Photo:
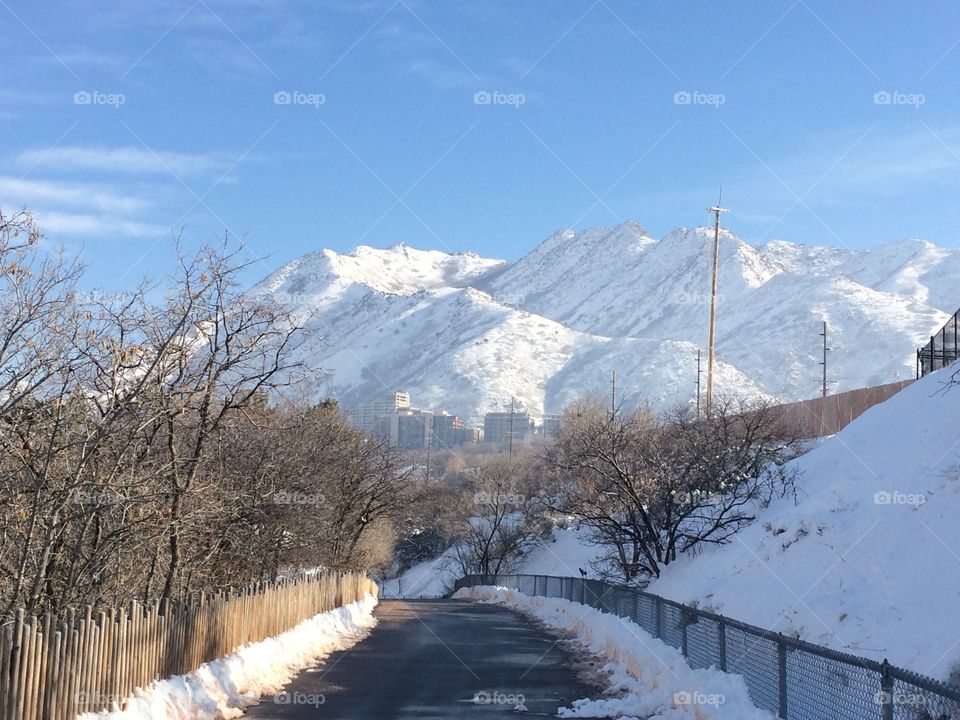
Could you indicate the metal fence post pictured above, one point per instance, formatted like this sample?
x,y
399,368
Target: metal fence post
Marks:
x,y
722,640
886,691
782,667
684,622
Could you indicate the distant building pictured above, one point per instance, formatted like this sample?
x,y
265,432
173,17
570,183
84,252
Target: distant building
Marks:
x,y
550,426
498,427
414,429
409,428
450,431
368,414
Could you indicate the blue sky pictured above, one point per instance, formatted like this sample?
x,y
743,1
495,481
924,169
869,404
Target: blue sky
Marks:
x,y
124,123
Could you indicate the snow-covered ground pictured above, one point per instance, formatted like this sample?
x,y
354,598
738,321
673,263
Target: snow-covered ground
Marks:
x,y
224,687
429,579
868,559
646,678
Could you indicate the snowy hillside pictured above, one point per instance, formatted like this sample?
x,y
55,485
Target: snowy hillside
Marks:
x,y
867,561
466,333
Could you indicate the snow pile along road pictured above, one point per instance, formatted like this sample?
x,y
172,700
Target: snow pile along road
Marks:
x,y
223,687
647,678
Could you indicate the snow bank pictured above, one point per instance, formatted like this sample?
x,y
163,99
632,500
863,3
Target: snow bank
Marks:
x,y
867,560
647,678
223,687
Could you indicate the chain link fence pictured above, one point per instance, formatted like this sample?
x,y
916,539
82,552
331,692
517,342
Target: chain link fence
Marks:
x,y
793,679
943,348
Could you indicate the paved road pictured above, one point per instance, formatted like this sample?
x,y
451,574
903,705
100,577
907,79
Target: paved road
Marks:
x,y
428,659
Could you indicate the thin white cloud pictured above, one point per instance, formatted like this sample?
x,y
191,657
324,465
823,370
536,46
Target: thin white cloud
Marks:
x,y
18,191
128,160
102,225
446,75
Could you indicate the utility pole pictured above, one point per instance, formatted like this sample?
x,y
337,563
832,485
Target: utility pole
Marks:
x,y
823,334
429,445
716,210
699,372
511,427
613,393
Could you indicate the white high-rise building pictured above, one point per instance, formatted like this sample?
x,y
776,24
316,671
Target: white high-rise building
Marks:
x,y
368,413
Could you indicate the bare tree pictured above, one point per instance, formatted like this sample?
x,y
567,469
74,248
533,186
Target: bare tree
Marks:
x,y
651,487
144,445
503,520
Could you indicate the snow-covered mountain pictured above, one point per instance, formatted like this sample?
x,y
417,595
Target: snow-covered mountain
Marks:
x,y
467,333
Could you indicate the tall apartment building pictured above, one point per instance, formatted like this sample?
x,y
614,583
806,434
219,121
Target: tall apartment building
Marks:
x,y
409,428
550,426
499,426
414,429
450,431
367,414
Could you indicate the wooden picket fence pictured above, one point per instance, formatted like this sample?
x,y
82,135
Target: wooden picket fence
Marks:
x,y
54,668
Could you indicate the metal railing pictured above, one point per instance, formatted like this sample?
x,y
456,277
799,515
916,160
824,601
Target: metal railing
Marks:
x,y
793,679
943,348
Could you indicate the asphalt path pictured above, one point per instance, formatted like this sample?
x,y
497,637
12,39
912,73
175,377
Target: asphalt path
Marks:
x,y
437,659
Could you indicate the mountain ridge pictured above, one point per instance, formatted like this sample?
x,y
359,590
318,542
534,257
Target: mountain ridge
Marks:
x,y
466,333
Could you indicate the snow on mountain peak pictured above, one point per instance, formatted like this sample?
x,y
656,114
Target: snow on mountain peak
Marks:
x,y
465,332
